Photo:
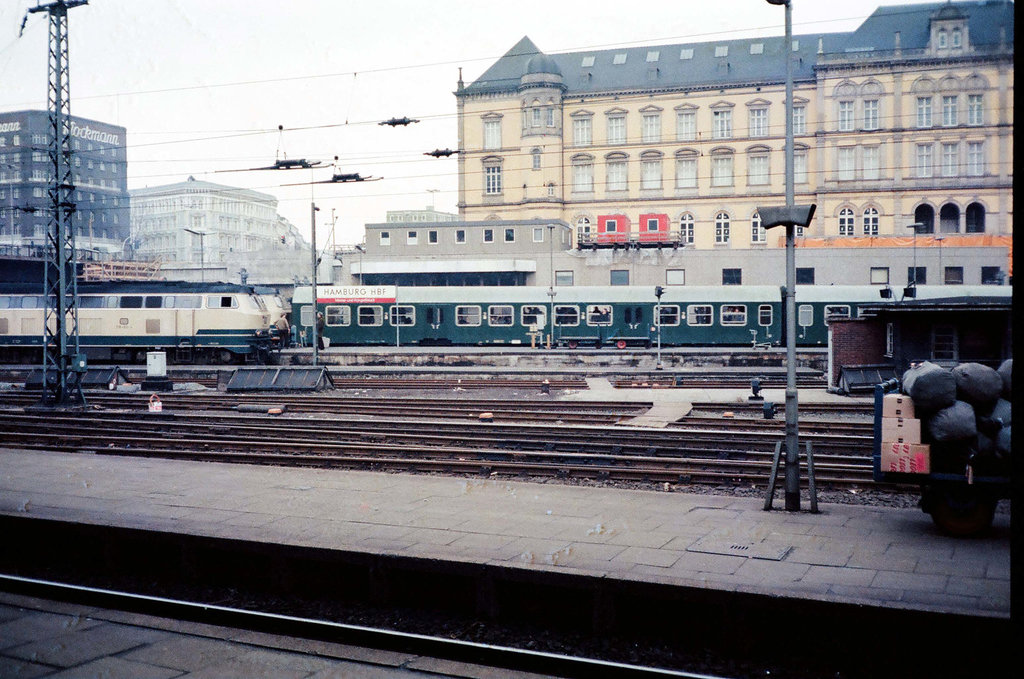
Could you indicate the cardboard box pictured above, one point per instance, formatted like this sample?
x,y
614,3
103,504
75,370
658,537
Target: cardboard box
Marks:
x,y
897,405
901,430
909,458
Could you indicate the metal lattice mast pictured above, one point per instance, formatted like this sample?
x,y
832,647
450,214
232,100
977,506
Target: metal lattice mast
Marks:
x,y
61,385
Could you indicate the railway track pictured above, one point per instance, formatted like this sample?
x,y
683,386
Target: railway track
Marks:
x,y
556,450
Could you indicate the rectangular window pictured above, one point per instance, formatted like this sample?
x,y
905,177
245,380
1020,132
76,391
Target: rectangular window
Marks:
x,y
805,275
617,175
721,124
550,117
533,316
975,114
564,278
510,235
567,315
721,171
975,158
582,132
492,134
924,160
950,159
879,275
618,277
949,110
732,276
668,314
944,343
583,177
758,122
460,236
805,315
871,156
917,275
616,129
599,314
733,314
686,173
651,128
765,315
757,171
492,180
370,316
500,315
870,114
847,162
467,315
924,111
338,315
488,235
846,116
650,174
412,238
890,339
686,125
837,310
953,275
538,234
699,314
216,302
991,275
675,277
799,120
800,167
402,315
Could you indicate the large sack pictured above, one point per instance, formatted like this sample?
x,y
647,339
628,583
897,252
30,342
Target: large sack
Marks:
x,y
1006,372
931,387
1003,443
977,384
953,423
1003,410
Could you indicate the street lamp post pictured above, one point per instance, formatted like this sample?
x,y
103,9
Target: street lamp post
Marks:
x,y
312,233
910,290
202,265
942,274
361,250
551,283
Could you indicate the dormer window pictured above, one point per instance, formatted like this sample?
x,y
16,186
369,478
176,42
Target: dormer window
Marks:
x,y
619,58
940,40
956,39
722,51
653,55
757,48
686,53
587,62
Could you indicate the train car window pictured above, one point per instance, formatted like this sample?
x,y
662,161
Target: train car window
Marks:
x,y
5,302
90,302
221,302
402,314
435,315
28,302
154,301
306,315
668,314
733,314
467,315
187,302
638,314
131,302
500,315
567,315
805,315
599,314
338,315
372,316
699,314
628,314
533,316
110,302
765,314
841,310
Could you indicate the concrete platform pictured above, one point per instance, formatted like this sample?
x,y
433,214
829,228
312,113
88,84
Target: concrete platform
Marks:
x,y
873,556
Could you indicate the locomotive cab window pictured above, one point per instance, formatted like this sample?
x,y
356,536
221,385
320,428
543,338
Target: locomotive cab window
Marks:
x,y
402,314
500,315
131,301
338,315
805,315
533,316
371,316
599,314
765,315
567,315
221,302
467,315
699,314
733,314
668,314
840,310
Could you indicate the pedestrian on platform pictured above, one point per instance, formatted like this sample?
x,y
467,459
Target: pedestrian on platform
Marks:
x,y
320,330
283,332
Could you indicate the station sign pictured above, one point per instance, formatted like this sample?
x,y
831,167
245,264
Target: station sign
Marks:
x,y
355,294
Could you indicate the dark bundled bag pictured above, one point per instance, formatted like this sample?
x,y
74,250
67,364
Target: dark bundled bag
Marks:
x,y
1006,373
930,386
954,423
1003,442
977,384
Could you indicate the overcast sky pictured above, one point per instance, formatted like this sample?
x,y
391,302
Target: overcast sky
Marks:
x,y
202,85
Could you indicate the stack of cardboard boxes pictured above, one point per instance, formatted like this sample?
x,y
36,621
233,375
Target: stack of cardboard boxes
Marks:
x,y
902,450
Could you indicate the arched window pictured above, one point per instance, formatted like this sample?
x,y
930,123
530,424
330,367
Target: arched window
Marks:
x,y
686,228
758,234
846,222
949,218
925,216
535,154
870,222
975,218
583,225
722,227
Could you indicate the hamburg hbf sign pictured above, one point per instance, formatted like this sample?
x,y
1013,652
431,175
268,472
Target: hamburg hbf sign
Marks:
x,y
355,294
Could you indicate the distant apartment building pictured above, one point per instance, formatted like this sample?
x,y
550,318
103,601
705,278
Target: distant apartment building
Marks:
x,y
427,214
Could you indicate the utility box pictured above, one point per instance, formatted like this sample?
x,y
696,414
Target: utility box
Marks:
x,y
156,364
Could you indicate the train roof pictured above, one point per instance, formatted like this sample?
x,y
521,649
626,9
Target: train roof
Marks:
x,y
131,288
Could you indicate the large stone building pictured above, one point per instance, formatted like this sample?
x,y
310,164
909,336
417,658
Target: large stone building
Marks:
x,y
193,227
99,173
908,119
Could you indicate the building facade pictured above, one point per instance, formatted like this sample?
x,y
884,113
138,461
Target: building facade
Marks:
x,y
99,173
906,120
194,225
427,214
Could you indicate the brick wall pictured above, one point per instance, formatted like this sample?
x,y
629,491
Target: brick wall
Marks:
x,y
855,341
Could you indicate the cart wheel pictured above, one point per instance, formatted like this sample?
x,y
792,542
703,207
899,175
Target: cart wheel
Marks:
x,y
962,512
572,344
620,344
